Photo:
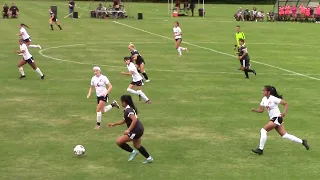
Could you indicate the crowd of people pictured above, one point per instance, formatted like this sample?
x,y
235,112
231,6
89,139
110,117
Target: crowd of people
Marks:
x,y
10,12
284,13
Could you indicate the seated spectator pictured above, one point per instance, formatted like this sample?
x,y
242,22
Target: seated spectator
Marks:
x,y
14,11
260,15
239,15
254,14
281,13
246,15
5,12
270,16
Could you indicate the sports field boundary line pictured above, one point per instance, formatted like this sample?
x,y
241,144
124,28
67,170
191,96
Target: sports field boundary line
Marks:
x,y
218,52
158,70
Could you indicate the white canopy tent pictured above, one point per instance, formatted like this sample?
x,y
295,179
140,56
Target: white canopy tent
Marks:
x,y
171,6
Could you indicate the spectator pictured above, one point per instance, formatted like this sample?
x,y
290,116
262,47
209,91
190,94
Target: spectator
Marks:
x,y
281,13
177,6
302,10
72,4
294,12
254,14
239,15
14,11
193,6
246,15
261,15
287,12
307,14
5,12
270,16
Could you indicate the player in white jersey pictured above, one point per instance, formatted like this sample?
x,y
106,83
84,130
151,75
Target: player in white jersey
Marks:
x,y
26,58
100,83
177,35
136,80
270,101
26,37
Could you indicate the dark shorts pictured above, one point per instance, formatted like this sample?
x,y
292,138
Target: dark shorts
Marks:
x,y
102,98
135,135
245,63
138,83
139,62
30,60
54,20
5,15
179,39
27,40
277,120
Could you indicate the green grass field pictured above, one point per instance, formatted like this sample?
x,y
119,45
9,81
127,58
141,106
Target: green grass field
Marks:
x,y
199,125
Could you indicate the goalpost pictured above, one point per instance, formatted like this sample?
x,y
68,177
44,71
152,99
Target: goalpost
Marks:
x,y
171,5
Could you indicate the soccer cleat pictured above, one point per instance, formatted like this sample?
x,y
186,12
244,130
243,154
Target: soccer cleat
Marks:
x,y
149,160
42,77
22,76
39,46
97,127
254,72
139,97
148,102
305,144
148,80
115,104
133,155
257,151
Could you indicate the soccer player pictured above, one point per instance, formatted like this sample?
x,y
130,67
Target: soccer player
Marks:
x,y
54,19
177,35
270,101
99,82
134,132
239,35
136,80
245,59
26,37
71,5
27,58
138,59
5,11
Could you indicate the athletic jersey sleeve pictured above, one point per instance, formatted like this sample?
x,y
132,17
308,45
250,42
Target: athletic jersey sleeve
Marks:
x,y
276,100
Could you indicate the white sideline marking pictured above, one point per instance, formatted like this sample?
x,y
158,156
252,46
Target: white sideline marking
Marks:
x,y
219,52
123,67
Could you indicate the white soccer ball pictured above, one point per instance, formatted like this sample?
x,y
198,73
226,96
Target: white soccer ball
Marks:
x,y
79,150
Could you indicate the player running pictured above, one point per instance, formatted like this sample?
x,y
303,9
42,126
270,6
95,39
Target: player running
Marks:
x,y
26,37
271,100
136,80
177,35
138,59
99,82
134,132
53,18
27,58
244,58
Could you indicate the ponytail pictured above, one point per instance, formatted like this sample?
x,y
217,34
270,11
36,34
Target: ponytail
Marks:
x,y
24,25
131,45
128,100
273,91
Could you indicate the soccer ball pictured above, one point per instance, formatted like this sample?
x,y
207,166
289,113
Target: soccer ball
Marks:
x,y
79,150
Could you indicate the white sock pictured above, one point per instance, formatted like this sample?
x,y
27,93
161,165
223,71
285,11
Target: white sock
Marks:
x,y
39,72
263,138
107,108
142,95
132,91
292,138
182,48
179,50
99,117
21,71
33,46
